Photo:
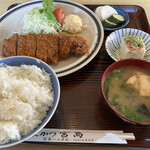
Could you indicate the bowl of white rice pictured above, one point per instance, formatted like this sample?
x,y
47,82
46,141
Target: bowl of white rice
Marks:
x,y
29,96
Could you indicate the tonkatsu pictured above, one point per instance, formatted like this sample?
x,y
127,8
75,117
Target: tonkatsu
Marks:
x,y
48,47
10,46
21,45
65,43
31,45
41,52
79,45
52,48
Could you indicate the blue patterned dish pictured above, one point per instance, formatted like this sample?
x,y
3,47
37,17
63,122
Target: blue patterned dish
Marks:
x,y
113,41
123,13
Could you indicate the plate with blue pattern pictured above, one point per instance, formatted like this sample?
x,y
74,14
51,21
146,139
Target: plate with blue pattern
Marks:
x,y
113,41
120,12
123,13
11,22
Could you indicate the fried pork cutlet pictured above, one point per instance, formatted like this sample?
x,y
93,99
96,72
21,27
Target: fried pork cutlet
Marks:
x,y
10,46
79,45
48,47
65,42
31,45
41,52
52,48
22,41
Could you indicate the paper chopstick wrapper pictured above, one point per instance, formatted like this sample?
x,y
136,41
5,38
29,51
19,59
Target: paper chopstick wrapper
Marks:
x,y
81,136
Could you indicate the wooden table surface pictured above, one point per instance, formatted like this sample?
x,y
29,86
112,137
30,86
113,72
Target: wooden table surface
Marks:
x,y
81,103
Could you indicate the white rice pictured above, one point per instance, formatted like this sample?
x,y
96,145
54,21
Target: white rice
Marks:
x,y
26,95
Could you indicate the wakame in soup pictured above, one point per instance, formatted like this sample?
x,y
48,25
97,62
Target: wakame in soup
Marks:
x,y
127,90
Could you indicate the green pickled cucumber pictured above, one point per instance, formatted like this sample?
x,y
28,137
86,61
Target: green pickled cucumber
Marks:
x,y
116,18
107,24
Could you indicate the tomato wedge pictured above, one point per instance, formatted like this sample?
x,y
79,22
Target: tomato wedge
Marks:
x,y
59,14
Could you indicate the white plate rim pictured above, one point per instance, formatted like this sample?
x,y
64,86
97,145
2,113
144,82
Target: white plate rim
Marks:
x,y
98,24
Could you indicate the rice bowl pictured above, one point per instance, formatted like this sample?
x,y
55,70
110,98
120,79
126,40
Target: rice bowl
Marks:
x,y
22,99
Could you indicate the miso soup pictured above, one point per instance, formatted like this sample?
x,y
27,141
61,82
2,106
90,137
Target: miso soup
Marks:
x,y
128,92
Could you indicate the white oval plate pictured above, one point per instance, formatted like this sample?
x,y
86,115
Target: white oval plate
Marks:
x,y
11,22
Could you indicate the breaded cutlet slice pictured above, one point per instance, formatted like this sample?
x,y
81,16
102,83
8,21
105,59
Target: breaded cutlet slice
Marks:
x,y
31,45
22,41
79,45
65,42
41,52
10,46
52,48
6,48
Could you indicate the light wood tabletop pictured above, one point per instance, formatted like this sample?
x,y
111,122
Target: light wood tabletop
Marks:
x,y
145,4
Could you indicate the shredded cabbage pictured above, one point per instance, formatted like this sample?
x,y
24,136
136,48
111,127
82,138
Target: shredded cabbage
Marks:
x,y
36,22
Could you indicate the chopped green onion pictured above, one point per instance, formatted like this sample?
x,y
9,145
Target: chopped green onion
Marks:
x,y
134,40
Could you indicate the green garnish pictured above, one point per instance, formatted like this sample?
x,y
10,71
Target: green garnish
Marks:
x,y
136,41
41,20
115,100
48,8
123,108
131,114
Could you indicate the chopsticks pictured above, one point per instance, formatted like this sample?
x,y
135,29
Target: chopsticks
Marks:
x,y
125,136
81,136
